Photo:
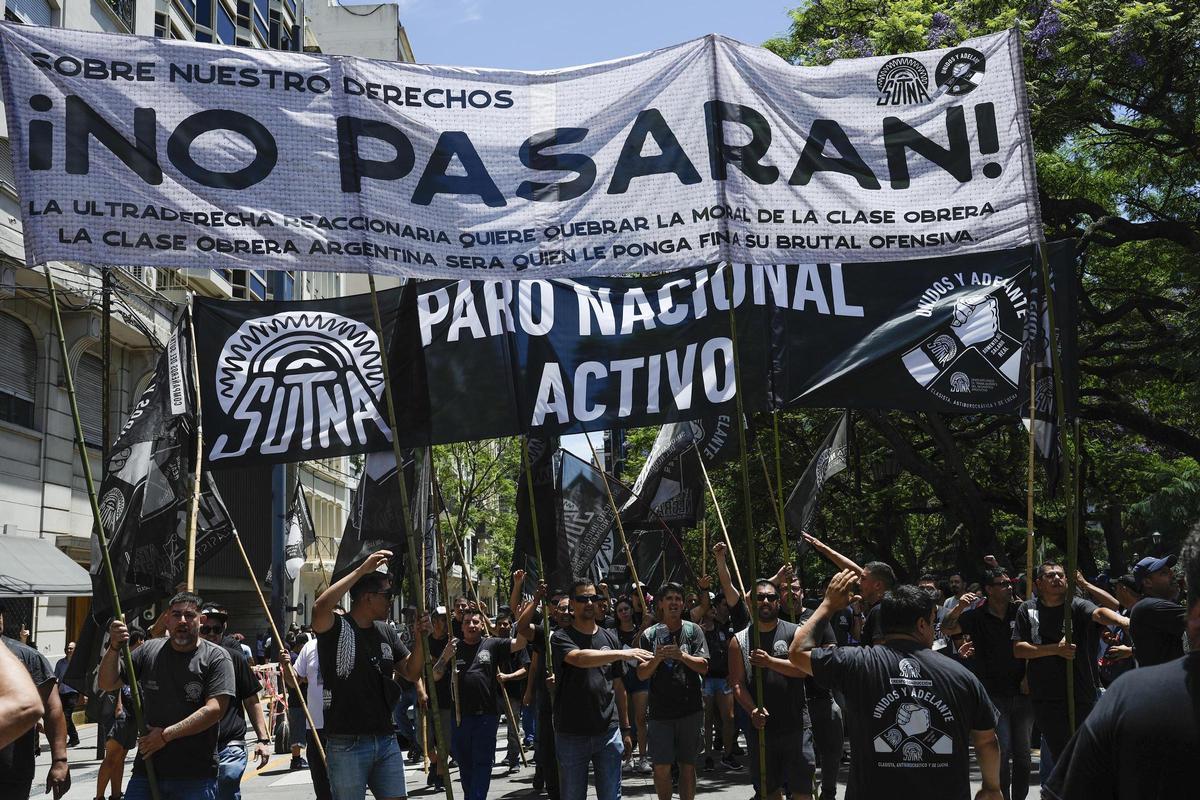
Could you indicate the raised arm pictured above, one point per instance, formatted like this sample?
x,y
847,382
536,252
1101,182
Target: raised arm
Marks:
x,y
322,610
829,554
1098,595
837,597
518,581
732,595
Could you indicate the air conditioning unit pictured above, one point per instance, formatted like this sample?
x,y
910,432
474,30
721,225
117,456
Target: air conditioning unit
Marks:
x,y
143,275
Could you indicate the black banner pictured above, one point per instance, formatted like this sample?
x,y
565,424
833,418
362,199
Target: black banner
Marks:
x,y
670,488
829,460
147,490
376,521
585,516
485,359
543,466
659,558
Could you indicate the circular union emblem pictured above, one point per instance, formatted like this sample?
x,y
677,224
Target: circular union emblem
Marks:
x,y
960,70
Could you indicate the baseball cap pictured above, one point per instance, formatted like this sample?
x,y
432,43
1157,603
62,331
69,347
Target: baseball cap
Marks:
x,y
1150,564
215,610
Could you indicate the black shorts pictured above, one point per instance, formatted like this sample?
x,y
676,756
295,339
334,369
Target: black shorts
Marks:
x,y
123,732
789,760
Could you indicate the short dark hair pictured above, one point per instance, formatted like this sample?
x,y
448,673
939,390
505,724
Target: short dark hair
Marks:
x,y
903,607
928,578
1129,582
766,582
136,635
504,612
1041,570
881,572
471,611
186,597
993,573
577,582
670,586
371,582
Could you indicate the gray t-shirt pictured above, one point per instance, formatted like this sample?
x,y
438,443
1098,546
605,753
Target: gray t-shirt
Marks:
x,y
173,686
675,689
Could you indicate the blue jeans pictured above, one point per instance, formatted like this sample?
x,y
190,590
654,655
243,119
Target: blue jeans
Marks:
x,y
138,788
356,762
603,752
1014,730
529,723
231,763
404,725
473,745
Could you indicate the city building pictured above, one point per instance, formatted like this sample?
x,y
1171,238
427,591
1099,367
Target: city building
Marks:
x,y
44,509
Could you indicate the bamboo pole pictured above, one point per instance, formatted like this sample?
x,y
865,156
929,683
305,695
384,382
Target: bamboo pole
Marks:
x,y
779,504
537,549
1072,565
275,632
637,583
424,556
749,514
737,572
777,507
98,523
443,747
1029,485
703,545
194,506
444,572
474,592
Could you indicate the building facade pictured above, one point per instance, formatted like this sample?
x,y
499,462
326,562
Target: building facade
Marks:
x,y
42,490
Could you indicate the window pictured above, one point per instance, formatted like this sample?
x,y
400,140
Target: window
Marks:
x,y
226,30
89,394
33,12
18,372
204,15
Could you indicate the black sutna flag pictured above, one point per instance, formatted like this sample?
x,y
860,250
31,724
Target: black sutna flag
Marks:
x,y
375,521
543,465
829,460
585,516
147,489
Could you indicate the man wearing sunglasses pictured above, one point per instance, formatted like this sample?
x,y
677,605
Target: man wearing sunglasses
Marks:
x,y
359,656
789,744
675,717
990,625
589,698
231,730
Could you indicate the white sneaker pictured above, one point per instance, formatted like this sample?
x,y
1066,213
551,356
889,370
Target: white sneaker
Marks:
x,y
644,766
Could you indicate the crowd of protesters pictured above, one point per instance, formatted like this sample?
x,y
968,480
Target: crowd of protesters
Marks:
x,y
770,682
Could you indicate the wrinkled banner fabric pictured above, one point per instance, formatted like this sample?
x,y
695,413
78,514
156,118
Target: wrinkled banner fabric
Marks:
x,y
481,360
142,151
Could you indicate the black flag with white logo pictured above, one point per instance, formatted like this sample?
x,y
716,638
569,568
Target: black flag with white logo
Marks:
x,y
543,465
830,459
376,520
670,488
301,534
585,516
147,490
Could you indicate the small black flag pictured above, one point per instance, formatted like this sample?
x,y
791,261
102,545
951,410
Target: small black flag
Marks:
x,y
828,461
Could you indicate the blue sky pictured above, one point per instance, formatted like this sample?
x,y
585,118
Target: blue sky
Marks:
x,y
533,34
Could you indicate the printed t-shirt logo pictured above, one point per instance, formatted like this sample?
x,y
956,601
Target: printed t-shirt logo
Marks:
x,y
974,361
192,691
485,657
902,81
907,721
780,649
297,381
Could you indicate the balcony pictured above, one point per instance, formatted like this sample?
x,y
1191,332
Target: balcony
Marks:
x,y
124,11
175,283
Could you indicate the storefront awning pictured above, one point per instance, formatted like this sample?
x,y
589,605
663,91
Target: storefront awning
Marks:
x,y
31,566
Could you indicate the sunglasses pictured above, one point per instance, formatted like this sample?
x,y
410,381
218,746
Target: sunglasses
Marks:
x,y
587,598
211,628
764,597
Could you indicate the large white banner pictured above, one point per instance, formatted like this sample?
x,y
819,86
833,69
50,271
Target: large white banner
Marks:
x,y
134,150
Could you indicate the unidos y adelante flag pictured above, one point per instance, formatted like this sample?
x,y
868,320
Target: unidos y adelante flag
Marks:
x,y
586,520
475,360
146,151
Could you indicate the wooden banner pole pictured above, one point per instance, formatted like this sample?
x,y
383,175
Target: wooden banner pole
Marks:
x,y
194,507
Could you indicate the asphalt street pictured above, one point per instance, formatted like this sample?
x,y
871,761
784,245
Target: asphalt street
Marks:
x,y
276,780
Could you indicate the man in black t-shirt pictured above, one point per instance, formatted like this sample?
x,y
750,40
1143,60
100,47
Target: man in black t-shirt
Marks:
x,y
186,685
1157,621
359,656
990,625
477,660
789,747
589,699
1141,741
824,713
1038,637
877,578
439,638
675,716
231,730
539,688
17,758
511,672
913,713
